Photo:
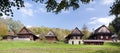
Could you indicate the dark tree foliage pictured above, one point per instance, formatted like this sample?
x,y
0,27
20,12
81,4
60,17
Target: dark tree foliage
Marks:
x,y
6,6
116,25
115,8
51,5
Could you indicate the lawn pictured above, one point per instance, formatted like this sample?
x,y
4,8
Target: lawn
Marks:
x,y
59,47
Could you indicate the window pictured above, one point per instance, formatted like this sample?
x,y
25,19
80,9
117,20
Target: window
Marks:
x,y
101,37
78,37
74,37
106,37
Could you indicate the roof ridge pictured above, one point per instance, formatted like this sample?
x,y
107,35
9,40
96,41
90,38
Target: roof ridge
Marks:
x,y
100,28
27,30
77,31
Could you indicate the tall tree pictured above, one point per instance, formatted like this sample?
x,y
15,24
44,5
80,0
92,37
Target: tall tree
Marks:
x,y
4,29
42,31
112,29
85,32
51,5
12,24
116,26
115,8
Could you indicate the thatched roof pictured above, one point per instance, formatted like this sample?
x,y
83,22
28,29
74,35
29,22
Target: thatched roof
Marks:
x,y
102,29
24,30
50,33
75,32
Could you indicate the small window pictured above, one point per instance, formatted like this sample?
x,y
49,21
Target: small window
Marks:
x,y
106,37
101,37
78,37
74,37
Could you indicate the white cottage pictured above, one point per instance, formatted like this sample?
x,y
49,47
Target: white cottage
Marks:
x,y
75,37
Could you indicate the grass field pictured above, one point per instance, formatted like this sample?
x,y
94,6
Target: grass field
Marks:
x,y
43,47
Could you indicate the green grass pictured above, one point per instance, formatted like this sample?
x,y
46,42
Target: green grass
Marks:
x,y
59,47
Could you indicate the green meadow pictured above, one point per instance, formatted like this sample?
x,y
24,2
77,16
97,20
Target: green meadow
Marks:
x,y
59,47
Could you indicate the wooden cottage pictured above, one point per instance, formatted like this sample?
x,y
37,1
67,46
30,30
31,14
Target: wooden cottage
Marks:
x,y
26,34
51,36
75,37
9,36
101,33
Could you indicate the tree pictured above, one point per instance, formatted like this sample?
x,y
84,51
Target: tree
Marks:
x,y
12,24
116,26
51,5
85,32
111,28
42,31
115,8
4,29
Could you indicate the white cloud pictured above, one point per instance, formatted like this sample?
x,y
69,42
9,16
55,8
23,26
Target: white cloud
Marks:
x,y
107,2
27,11
101,20
28,5
28,26
90,9
43,10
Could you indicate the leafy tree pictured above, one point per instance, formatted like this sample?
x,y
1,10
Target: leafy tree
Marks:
x,y
85,32
42,31
12,24
111,27
4,29
116,26
51,5
115,8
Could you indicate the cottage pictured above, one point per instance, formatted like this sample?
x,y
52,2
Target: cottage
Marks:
x,y
51,36
26,34
102,33
9,36
75,37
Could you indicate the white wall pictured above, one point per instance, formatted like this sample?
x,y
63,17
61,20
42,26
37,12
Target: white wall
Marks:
x,y
27,39
75,41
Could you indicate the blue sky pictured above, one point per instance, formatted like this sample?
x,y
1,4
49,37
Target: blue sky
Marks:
x,y
92,15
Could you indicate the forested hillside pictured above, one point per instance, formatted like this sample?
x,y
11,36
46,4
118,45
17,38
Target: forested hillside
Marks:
x,y
42,31
7,24
16,26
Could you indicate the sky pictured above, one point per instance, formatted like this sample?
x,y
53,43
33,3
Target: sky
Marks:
x,y
93,15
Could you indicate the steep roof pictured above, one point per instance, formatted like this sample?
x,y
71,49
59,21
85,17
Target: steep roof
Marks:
x,y
102,29
50,33
10,32
24,30
76,31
